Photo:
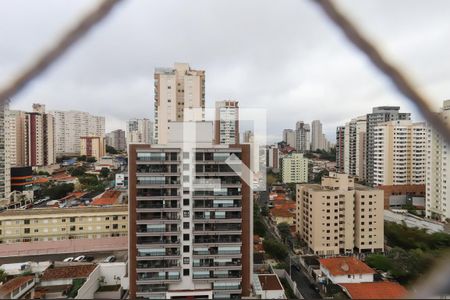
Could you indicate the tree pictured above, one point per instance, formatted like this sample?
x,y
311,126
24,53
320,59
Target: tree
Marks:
x,y
111,150
318,176
91,159
3,276
81,158
275,249
58,191
104,172
285,230
78,171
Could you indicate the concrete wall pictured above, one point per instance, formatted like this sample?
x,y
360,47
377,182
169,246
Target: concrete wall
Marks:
x,y
91,285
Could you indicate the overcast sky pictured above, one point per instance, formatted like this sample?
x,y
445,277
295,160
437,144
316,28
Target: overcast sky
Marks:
x,y
284,56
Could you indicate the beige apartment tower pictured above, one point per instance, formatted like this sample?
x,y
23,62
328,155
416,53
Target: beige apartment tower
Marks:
x,y
93,146
339,216
179,96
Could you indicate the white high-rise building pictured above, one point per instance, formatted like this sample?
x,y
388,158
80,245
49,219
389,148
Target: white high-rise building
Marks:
x,y
176,90
226,123
399,153
303,137
294,168
69,126
139,131
15,129
289,137
355,147
438,171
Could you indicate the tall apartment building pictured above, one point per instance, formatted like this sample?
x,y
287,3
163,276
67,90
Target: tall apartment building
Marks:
x,y
190,222
273,157
379,115
355,147
15,129
176,90
318,140
116,139
226,122
294,168
247,136
69,126
93,146
5,173
438,171
339,216
53,224
399,159
340,149
289,137
140,131
39,137
302,137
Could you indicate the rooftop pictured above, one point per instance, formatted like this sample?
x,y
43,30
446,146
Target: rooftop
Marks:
x,y
14,283
68,272
375,290
345,266
270,282
49,211
107,198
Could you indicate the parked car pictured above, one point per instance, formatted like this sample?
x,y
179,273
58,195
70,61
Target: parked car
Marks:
x,y
89,258
68,259
110,259
80,258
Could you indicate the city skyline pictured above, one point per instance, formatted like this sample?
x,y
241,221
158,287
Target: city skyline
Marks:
x,y
233,71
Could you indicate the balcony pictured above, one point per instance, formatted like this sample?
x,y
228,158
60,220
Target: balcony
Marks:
x,y
146,254
145,242
234,228
157,206
157,230
158,193
157,217
151,265
217,240
217,251
216,275
149,277
169,170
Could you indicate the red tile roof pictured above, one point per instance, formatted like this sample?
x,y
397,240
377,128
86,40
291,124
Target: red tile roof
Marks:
x,y
67,272
375,290
108,198
258,248
14,283
270,282
345,266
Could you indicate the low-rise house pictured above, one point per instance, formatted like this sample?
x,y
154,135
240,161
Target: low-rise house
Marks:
x,y
374,290
17,287
111,197
345,270
284,213
268,286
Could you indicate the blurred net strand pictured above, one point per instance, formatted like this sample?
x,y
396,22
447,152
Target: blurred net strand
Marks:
x,y
438,282
46,59
401,82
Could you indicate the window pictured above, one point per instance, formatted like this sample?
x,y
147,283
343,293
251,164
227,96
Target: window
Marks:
x,y
186,202
36,230
185,214
26,221
72,228
115,226
72,219
185,260
26,230
185,237
185,225
185,249
185,272
63,220
115,218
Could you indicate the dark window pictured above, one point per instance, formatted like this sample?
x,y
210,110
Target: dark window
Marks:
x,y
185,272
72,219
186,201
115,218
185,249
185,260
115,226
185,213
72,228
185,225
185,237
26,230
26,221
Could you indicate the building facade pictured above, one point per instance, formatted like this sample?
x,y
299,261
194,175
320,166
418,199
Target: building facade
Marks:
x,y
53,224
399,153
340,149
247,136
302,137
339,216
355,147
438,171
226,122
69,126
140,131
92,146
179,96
318,140
15,129
294,168
117,140
289,137
379,115
190,222
5,173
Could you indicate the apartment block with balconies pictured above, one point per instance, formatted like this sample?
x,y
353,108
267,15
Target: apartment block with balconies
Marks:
x,y
189,222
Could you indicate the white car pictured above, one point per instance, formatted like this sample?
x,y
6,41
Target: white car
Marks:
x,y
110,259
80,258
68,259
